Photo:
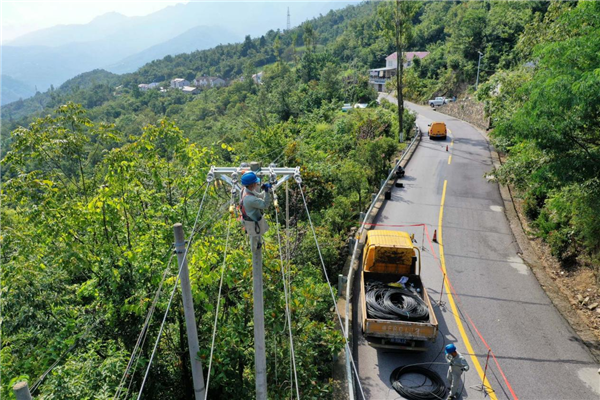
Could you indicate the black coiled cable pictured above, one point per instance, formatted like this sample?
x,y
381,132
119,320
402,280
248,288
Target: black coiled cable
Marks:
x,y
384,302
435,391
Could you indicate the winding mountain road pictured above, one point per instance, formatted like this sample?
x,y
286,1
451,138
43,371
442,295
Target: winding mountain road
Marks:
x,y
495,299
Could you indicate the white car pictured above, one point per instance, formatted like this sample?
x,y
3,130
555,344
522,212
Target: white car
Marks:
x,y
438,101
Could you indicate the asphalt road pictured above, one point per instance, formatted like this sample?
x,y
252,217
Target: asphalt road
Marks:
x,y
497,299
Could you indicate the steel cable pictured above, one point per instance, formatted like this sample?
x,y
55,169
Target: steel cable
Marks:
x,y
212,345
347,345
390,303
435,391
287,306
133,360
162,325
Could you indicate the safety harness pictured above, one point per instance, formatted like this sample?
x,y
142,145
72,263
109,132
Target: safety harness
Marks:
x,y
245,216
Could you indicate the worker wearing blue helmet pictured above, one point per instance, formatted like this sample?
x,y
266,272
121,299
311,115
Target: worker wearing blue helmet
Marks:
x,y
254,201
457,365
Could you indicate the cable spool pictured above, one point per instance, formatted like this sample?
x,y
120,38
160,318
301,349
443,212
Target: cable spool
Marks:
x,y
435,391
389,303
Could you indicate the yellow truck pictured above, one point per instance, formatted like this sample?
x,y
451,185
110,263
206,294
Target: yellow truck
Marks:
x,y
438,130
396,311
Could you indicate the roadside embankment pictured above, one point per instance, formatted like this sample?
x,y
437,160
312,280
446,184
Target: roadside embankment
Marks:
x,y
468,110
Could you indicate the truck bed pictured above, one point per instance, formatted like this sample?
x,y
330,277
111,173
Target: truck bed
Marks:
x,y
397,334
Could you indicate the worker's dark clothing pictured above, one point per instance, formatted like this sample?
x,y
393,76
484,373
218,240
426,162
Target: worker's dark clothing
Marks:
x,y
457,365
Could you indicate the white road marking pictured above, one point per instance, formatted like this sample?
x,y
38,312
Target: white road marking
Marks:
x,y
496,208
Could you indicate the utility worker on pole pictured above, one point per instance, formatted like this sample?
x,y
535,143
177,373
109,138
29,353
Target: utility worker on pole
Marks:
x,y
254,202
457,365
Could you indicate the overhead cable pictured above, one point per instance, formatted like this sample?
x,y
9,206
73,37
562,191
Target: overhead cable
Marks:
x,y
143,334
162,325
348,350
212,345
287,307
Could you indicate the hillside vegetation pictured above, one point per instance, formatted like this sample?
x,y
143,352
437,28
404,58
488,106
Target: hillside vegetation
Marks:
x,y
96,172
547,120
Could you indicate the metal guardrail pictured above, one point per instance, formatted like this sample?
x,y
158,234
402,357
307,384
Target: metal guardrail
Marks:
x,y
350,279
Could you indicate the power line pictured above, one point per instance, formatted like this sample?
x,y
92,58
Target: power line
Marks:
x,y
142,336
212,346
330,287
173,291
287,305
43,376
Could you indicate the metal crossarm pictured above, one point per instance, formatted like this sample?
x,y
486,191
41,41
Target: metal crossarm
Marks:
x,y
231,175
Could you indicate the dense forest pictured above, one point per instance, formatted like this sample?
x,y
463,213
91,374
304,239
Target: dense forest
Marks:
x,y
96,172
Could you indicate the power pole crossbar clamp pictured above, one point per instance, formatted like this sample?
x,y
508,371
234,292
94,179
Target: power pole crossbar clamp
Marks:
x,y
270,174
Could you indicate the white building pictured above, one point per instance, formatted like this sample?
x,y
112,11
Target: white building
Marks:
x,y
147,86
379,76
208,82
179,83
190,90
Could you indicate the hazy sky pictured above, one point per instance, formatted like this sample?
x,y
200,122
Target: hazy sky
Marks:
x,y
22,16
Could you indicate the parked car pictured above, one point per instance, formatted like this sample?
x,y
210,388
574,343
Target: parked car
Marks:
x,y
438,101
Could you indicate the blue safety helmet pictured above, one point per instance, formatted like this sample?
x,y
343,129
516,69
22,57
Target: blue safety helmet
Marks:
x,y
450,349
250,178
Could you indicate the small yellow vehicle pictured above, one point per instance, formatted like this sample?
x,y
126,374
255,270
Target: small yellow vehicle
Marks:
x,y
438,130
396,310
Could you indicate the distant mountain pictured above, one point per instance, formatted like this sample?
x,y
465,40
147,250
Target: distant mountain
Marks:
x,y
99,28
13,90
198,38
119,43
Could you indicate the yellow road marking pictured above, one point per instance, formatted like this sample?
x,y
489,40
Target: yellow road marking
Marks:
x,y
449,131
450,159
452,143
461,329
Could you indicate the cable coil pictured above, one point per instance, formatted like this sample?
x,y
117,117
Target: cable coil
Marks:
x,y
435,391
390,303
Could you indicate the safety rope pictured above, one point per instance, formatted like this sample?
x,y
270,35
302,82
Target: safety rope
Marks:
x,y
212,345
162,325
287,306
331,291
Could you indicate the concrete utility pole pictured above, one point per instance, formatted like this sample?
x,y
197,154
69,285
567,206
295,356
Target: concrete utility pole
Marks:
x,y
231,175
260,357
478,65
188,310
21,391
